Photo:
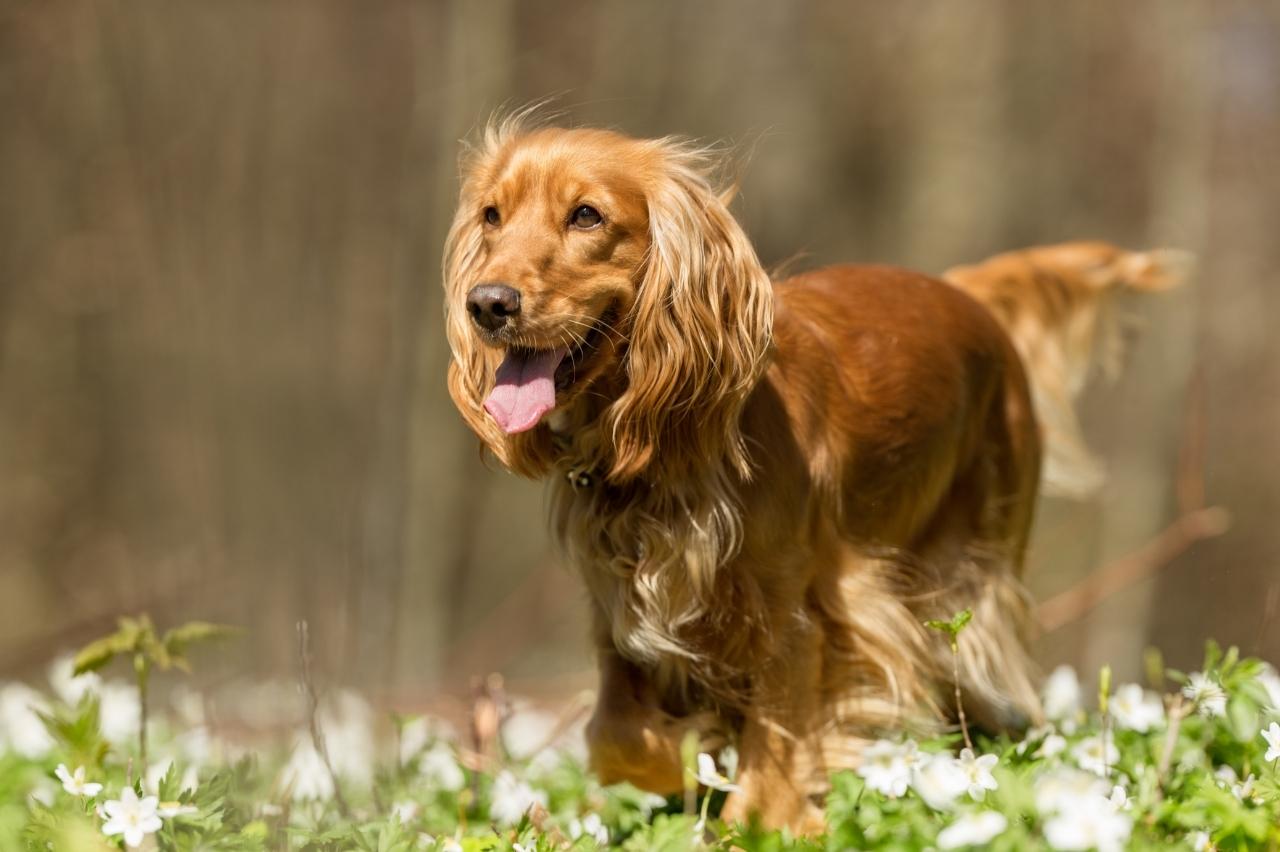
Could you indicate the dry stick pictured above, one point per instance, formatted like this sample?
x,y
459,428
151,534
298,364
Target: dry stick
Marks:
x,y
1168,544
313,716
1194,523
1178,710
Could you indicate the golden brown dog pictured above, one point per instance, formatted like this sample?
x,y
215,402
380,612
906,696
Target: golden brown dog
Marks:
x,y
766,486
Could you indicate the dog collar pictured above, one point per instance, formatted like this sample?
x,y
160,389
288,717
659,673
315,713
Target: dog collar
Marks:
x,y
580,478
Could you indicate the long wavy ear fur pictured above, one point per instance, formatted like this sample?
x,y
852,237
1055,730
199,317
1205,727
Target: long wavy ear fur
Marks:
x,y
699,331
472,368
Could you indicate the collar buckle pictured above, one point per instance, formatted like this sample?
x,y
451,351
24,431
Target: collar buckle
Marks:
x,y
580,478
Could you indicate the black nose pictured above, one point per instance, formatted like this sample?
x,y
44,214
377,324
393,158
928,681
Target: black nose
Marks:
x,y
493,305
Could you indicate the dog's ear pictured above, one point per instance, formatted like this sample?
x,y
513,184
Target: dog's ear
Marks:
x,y
472,366
699,332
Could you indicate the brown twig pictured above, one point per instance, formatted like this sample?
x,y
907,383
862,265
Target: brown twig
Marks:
x,y
1177,711
313,716
1195,522
1168,544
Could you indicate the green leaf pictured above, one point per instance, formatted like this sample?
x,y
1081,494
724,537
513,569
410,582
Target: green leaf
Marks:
x,y
98,653
197,631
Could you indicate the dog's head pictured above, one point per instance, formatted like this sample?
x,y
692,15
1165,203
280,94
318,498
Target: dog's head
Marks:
x,y
595,280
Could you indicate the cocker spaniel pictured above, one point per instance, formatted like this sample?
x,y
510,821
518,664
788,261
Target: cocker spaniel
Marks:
x,y
767,486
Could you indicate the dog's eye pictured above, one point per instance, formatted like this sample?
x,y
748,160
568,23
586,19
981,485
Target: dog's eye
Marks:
x,y
491,216
586,218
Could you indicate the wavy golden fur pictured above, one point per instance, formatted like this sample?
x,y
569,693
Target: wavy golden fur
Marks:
x,y
766,486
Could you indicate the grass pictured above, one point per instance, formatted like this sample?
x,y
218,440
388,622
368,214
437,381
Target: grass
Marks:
x,y
1164,767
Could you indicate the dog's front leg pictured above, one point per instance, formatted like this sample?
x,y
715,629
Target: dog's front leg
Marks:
x,y
779,753
631,738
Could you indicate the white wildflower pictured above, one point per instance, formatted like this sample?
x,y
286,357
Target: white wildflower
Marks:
x,y
1119,798
306,775
1101,828
649,802
1062,694
1199,840
74,783
1272,736
405,810
155,774
528,730
1270,681
1095,755
592,826
1136,709
118,712
1053,745
422,731
511,799
977,773
728,758
1193,757
886,766
130,816
1245,792
1079,813
1031,737
975,829
1207,694
197,745
69,686
708,776
939,780
450,844
1230,781
347,722
440,768
545,762
1066,789
21,729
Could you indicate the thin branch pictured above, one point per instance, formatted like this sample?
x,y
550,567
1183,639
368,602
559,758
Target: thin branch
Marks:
x,y
313,716
1177,711
1195,522
1171,542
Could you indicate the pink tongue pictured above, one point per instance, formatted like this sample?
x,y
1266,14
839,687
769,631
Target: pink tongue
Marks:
x,y
524,389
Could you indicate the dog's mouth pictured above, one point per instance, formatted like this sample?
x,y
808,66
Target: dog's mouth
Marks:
x,y
528,379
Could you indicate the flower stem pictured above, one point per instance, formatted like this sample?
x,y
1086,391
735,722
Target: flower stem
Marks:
x,y
141,669
955,680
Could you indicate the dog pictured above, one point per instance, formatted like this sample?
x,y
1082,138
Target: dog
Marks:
x,y
767,486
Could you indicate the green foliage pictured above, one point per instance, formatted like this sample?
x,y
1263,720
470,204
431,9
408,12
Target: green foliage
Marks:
x,y
137,638
953,626
1197,772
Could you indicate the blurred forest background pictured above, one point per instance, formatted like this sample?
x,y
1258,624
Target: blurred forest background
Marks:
x,y
221,359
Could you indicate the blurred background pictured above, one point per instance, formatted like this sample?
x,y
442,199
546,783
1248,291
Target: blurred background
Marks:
x,y
221,359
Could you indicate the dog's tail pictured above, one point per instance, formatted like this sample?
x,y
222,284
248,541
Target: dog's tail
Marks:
x,y
1062,305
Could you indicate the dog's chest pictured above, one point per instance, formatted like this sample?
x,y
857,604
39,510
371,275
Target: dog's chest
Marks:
x,y
638,569
665,584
